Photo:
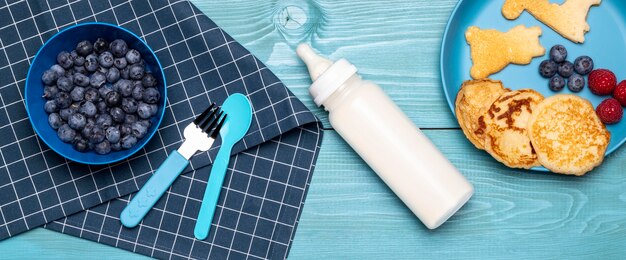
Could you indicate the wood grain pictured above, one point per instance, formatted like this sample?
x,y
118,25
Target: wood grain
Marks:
x,y
351,214
393,43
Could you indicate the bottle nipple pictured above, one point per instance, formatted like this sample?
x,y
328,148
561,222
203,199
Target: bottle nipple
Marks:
x,y
316,64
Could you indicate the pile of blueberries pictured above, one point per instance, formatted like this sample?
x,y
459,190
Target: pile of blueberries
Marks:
x,y
558,69
100,96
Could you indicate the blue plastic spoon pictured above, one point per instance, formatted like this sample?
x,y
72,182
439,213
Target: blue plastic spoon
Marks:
x,y
239,111
199,136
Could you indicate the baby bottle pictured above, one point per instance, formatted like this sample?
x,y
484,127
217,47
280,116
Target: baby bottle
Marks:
x,y
404,158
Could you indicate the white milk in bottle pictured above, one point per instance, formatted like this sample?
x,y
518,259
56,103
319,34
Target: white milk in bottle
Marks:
x,y
404,158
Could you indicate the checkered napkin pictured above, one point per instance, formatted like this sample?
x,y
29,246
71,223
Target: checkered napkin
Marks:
x,y
267,178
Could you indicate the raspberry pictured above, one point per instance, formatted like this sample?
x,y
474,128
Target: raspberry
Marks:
x,y
602,82
610,111
620,93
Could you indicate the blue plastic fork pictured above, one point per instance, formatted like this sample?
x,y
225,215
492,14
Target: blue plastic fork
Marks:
x,y
199,136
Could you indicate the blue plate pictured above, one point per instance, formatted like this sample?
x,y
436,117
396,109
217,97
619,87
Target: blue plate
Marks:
x,y
604,43
66,40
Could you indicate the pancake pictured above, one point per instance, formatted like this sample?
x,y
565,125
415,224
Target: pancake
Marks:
x,y
567,135
506,137
472,102
492,50
569,19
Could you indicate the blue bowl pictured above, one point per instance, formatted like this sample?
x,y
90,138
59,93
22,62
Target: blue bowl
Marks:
x,y
66,40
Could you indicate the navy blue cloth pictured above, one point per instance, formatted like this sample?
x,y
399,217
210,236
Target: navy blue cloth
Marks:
x,y
267,178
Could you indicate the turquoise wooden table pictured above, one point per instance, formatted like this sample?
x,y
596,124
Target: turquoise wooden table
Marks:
x,y
349,212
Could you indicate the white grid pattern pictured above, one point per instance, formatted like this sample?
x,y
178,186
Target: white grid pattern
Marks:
x,y
77,222
269,98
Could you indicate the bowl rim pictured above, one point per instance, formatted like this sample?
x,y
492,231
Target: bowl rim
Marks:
x,y
28,79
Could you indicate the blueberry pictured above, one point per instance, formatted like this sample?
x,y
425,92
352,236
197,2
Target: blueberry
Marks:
x,y
97,80
63,59
154,109
129,105
104,120
130,118
65,133
79,61
136,72
113,134
137,83
103,147
91,120
124,86
149,80
101,45
558,53
67,112
102,107
146,123
113,99
105,59
116,146
126,89
65,84
77,94
60,71
119,48
113,75
583,65
96,135
73,56
117,114
102,70
139,130
144,111
151,95
557,83
80,145
81,80
125,73
105,89
91,62
84,48
120,63
88,109
80,69
77,121
126,129
51,106
91,94
55,121
49,77
86,132
63,100
566,69
548,68
70,75
49,92
128,141
133,56
576,83
138,92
